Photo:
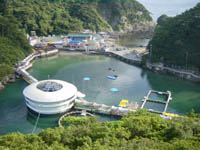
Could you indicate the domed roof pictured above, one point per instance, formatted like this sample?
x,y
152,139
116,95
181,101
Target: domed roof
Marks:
x,y
50,91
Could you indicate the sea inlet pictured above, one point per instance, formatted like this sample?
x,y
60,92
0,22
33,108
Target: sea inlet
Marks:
x,y
132,82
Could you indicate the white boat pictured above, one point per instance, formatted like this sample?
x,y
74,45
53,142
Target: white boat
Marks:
x,y
72,49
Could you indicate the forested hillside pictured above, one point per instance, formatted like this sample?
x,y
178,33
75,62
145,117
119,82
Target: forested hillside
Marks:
x,y
137,131
63,16
13,45
176,40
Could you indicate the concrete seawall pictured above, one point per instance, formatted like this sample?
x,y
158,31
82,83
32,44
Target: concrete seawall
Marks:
x,y
130,61
178,73
124,59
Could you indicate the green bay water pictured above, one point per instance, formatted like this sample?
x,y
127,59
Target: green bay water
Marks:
x,y
133,84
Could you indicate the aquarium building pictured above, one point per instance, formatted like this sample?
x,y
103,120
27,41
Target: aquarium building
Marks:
x,y
50,96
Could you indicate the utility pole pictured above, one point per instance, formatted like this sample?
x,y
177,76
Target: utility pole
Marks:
x,y
186,59
150,51
86,48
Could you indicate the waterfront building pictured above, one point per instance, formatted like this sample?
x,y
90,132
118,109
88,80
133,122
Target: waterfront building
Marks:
x,y
75,44
58,41
93,45
80,41
50,96
80,37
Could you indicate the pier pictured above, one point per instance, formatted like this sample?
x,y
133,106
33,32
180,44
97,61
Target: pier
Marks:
x,y
26,64
82,104
164,102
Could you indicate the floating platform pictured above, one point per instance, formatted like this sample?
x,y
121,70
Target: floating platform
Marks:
x,y
114,90
111,77
164,102
123,103
81,104
86,78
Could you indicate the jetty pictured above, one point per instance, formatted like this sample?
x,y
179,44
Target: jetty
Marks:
x,y
26,64
164,102
82,104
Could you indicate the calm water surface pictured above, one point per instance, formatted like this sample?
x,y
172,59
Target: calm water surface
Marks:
x,y
133,83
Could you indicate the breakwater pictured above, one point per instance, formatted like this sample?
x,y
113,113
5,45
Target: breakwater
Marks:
x,y
159,67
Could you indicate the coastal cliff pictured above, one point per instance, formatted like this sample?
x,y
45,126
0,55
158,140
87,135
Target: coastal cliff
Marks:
x,y
126,16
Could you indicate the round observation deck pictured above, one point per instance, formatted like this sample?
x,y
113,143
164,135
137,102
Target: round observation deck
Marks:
x,y
50,96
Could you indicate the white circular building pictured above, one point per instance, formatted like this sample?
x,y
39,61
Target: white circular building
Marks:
x,y
50,96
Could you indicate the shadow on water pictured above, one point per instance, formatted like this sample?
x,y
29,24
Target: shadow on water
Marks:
x,y
45,121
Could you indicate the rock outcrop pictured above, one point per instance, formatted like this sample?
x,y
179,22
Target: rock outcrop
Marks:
x,y
1,86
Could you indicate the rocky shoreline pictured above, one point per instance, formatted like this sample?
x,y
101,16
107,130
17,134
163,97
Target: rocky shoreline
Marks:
x,y
8,79
11,78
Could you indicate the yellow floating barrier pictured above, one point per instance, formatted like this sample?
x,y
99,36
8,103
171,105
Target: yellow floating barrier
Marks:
x,y
123,103
170,114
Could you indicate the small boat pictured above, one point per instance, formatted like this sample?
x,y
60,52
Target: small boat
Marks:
x,y
166,117
72,49
86,78
80,95
114,90
170,114
83,113
111,77
123,103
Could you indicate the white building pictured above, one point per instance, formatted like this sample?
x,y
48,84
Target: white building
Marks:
x,y
50,96
33,41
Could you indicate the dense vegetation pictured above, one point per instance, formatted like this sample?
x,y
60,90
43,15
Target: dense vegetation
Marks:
x,y
176,39
63,16
13,45
136,131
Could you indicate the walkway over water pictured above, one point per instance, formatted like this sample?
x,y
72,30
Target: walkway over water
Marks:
x,y
82,104
25,64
